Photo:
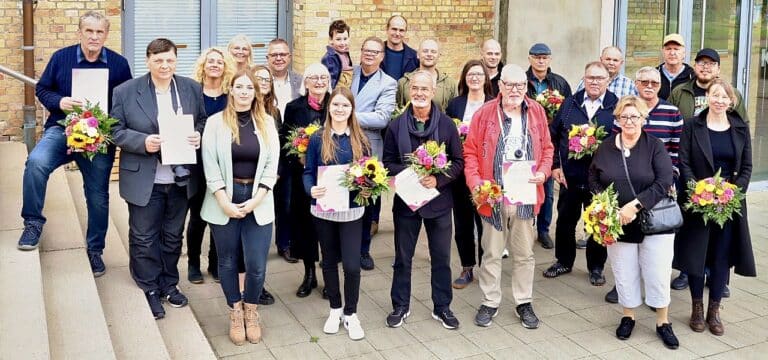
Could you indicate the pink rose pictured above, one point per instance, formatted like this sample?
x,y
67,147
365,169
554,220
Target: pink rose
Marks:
x,y
441,161
92,122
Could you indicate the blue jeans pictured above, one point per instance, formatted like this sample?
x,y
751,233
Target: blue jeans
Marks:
x,y
254,239
47,156
544,219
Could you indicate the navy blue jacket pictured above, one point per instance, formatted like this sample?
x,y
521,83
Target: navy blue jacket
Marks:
x,y
457,105
314,159
410,60
573,113
332,61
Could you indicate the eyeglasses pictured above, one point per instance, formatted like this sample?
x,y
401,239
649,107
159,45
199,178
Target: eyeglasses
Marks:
x,y
594,79
372,52
264,79
516,85
277,55
420,89
706,64
316,78
649,83
632,118
475,75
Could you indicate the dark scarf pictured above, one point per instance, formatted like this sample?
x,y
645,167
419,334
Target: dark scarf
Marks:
x,y
404,132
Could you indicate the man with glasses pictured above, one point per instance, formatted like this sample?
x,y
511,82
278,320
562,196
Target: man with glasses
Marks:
x,y
374,93
512,127
540,78
620,85
596,104
445,90
490,54
399,58
673,70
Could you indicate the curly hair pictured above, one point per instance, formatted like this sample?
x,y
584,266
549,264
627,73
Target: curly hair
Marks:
x,y
226,76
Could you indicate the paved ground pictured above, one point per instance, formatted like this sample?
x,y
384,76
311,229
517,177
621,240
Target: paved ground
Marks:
x,y
575,321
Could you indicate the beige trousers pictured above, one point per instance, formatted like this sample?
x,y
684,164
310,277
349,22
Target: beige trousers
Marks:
x,y
517,236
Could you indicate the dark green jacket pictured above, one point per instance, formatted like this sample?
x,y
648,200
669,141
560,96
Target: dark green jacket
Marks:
x,y
682,97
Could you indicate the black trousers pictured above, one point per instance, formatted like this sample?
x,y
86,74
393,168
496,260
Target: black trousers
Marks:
x,y
340,242
466,221
155,238
569,207
304,238
195,231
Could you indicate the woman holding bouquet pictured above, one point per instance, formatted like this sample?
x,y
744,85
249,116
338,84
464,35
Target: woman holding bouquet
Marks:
x,y
341,141
309,108
716,140
474,91
637,258
240,155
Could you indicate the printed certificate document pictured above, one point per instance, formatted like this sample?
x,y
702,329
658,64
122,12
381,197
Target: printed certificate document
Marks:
x,y
91,85
336,196
175,149
517,189
410,190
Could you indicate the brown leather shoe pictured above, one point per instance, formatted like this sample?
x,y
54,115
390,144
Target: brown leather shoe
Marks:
x,y
236,328
252,326
697,315
713,318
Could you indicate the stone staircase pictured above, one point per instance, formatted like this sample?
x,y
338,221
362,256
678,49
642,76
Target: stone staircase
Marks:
x,y
52,307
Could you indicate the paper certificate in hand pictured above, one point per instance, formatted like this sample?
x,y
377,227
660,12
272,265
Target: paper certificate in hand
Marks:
x,y
410,190
91,85
174,130
517,189
336,196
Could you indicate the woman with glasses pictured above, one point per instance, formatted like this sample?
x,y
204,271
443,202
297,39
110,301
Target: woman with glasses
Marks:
x,y
637,258
474,91
240,49
310,107
267,92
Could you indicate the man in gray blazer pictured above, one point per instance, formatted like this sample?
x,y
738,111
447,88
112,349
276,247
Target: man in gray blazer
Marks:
x,y
374,93
156,194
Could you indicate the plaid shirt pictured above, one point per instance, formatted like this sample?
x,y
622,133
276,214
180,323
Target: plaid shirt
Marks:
x,y
619,86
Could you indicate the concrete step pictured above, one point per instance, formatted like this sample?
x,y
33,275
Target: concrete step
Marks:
x,y
183,336
77,328
23,328
132,327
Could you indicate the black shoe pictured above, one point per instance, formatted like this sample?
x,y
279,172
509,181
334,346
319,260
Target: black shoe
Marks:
x,y
398,316
485,315
324,294
667,336
366,261
581,244
286,254
176,298
194,275
556,270
266,298
527,317
680,282
612,296
97,265
545,241
309,283
624,331
447,318
30,237
153,298
726,292
596,277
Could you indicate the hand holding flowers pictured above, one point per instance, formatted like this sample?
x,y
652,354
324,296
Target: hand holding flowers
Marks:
x,y
550,100
429,158
584,139
298,140
88,130
369,177
601,218
463,128
715,199
487,196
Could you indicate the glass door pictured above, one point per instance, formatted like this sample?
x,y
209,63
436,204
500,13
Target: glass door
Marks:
x,y
757,98
715,24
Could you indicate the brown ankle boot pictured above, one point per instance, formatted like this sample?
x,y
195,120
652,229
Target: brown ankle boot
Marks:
x,y
713,318
252,326
236,328
697,315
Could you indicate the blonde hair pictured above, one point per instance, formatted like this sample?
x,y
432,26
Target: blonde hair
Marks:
x,y
727,87
356,136
631,101
229,114
242,38
229,68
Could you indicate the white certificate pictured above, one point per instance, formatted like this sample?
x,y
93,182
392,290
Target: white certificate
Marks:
x,y
174,130
410,190
517,189
91,85
336,196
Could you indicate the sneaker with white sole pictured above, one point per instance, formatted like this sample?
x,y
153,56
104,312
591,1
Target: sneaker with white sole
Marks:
x,y
352,324
505,253
334,319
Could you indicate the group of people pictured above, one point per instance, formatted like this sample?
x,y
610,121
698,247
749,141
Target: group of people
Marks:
x,y
244,179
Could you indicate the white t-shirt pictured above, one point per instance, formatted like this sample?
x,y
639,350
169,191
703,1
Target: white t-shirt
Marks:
x,y
514,139
282,92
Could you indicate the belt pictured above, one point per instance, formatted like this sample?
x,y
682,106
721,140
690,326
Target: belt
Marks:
x,y
243,181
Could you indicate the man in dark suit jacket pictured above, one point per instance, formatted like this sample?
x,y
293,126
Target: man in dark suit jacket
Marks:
x,y
156,194
423,121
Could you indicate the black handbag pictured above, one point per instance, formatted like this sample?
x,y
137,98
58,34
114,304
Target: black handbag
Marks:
x,y
664,217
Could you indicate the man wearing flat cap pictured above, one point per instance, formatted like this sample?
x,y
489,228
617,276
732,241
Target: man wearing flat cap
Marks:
x,y
674,71
691,97
540,78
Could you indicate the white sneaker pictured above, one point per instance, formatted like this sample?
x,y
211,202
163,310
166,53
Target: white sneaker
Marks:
x,y
334,318
505,253
352,324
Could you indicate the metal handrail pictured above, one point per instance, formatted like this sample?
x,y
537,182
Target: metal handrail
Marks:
x,y
17,75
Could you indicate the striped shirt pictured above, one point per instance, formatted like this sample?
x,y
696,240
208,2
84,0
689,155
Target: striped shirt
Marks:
x,y
666,123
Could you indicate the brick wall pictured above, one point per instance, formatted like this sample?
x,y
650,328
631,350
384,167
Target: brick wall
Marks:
x,y
55,27
460,26
645,32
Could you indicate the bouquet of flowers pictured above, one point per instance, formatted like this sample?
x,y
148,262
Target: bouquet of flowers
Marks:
x,y
487,197
367,174
601,217
463,128
551,101
584,139
88,130
715,199
429,159
298,140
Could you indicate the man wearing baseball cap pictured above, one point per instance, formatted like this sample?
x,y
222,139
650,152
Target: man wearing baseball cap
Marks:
x,y
674,71
690,97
